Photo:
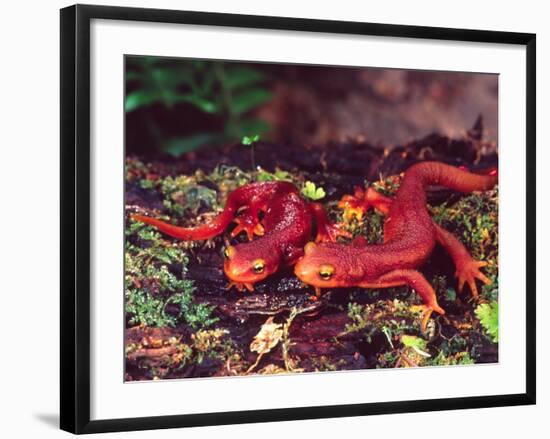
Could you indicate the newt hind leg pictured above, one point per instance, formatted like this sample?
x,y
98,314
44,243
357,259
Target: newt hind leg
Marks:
x,y
327,231
418,283
467,268
357,204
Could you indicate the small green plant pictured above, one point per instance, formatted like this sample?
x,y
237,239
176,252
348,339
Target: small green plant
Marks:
x,y
359,316
250,141
412,341
312,192
487,313
278,175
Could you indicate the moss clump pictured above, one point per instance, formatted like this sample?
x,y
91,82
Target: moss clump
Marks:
x,y
214,344
390,318
388,186
183,196
154,281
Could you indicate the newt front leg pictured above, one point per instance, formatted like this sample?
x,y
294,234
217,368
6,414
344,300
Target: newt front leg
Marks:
x,y
248,221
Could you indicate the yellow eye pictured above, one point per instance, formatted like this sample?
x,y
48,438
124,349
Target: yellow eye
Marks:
x,y
228,252
326,271
258,266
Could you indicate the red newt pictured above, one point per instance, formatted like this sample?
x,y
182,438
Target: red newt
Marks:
x,y
284,230
409,238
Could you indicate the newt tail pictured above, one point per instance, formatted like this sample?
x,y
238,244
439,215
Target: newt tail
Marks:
x,y
253,197
204,231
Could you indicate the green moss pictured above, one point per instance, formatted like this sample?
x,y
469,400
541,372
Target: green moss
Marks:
x,y
214,344
388,186
143,308
474,220
412,341
229,178
278,175
184,196
390,318
450,360
154,278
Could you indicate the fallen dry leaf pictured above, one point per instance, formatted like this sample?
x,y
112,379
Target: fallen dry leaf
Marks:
x,y
270,334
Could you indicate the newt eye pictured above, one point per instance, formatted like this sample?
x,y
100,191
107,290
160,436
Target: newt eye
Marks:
x,y
228,252
258,266
326,271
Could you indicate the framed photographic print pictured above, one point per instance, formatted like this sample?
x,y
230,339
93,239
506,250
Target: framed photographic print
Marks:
x,y
269,218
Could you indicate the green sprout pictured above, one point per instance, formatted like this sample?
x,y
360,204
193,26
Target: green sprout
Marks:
x,y
250,141
312,192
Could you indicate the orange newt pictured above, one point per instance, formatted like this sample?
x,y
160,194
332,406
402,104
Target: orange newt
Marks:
x,y
284,230
409,238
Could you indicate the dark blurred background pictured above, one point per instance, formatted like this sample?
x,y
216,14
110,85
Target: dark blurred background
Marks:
x,y
175,106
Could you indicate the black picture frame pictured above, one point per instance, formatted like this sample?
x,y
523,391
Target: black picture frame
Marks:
x,y
75,217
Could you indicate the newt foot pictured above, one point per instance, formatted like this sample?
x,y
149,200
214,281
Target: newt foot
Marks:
x,y
248,224
330,232
426,315
468,272
354,205
240,286
357,204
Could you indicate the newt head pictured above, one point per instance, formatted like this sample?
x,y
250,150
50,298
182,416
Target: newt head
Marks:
x,y
248,263
324,266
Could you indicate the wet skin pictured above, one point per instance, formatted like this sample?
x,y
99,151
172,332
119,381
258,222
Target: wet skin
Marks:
x,y
284,230
409,238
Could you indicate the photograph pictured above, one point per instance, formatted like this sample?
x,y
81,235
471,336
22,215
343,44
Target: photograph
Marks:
x,y
295,218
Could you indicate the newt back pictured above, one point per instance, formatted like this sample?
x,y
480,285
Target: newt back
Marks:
x,y
409,232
